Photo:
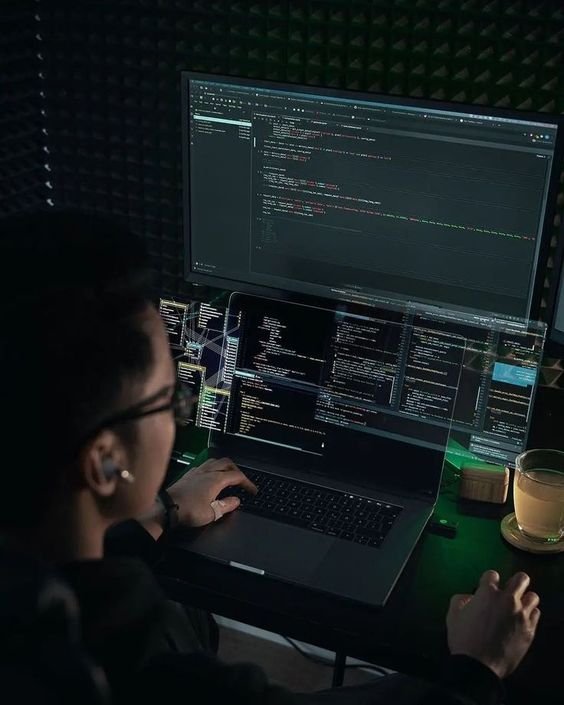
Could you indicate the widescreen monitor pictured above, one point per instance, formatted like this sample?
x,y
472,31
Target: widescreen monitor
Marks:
x,y
367,198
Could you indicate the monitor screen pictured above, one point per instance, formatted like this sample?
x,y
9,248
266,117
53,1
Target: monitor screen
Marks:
x,y
297,376
353,196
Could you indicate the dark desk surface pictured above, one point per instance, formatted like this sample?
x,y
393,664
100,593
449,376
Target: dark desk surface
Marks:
x,y
409,633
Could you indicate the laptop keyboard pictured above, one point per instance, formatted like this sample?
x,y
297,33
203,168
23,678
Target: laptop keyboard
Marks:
x,y
345,516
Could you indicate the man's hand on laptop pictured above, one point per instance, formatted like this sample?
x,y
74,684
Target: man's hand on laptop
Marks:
x,y
197,489
496,626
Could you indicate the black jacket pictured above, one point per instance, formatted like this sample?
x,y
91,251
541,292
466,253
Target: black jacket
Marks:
x,y
150,649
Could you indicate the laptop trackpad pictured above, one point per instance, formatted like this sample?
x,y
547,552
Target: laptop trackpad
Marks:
x,y
277,549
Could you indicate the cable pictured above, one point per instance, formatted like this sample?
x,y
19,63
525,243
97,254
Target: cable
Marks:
x,y
328,662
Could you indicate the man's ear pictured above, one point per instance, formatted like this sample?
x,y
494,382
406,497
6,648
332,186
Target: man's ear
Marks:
x,y
100,463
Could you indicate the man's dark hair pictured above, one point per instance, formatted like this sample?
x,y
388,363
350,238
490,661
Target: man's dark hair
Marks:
x,y
73,288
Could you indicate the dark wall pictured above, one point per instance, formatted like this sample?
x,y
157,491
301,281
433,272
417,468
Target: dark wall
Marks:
x,y
22,158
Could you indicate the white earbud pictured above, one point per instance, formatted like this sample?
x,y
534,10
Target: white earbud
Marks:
x,y
109,468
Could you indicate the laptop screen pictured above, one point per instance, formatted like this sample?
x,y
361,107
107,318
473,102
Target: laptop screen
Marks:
x,y
322,388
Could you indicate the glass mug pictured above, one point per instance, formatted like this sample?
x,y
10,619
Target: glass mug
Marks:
x,y
538,494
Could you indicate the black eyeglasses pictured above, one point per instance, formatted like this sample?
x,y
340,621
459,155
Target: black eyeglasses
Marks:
x,y
181,404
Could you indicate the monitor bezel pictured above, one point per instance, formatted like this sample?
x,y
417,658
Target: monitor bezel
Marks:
x,y
244,286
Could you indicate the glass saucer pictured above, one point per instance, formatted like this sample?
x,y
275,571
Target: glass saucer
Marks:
x,y
512,534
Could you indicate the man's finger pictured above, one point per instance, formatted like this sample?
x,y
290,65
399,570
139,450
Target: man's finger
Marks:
x,y
517,585
464,600
233,478
530,602
228,504
457,602
535,616
489,579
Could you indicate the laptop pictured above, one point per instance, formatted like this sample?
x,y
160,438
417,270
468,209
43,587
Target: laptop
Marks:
x,y
335,415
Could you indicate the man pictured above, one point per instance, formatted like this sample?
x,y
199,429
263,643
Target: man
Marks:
x,y
89,393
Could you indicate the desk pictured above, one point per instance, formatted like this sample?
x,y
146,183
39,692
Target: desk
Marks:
x,y
409,633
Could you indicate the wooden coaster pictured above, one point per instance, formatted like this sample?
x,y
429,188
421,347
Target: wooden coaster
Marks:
x,y
512,534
